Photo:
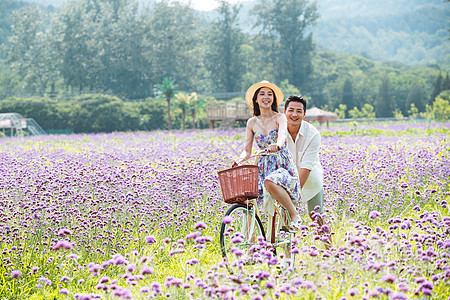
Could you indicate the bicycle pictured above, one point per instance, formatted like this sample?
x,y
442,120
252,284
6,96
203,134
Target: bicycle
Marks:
x,y
243,239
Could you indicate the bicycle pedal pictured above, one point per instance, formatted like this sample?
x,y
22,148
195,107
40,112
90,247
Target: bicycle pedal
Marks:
x,y
285,229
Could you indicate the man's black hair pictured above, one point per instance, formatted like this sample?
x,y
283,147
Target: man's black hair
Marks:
x,y
295,98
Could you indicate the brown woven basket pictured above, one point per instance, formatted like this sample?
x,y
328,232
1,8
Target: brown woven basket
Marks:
x,y
239,184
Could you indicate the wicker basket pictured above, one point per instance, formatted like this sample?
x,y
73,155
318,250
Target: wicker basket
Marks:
x,y
239,184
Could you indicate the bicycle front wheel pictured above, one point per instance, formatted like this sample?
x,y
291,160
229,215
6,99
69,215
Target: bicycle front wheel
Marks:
x,y
239,232
283,241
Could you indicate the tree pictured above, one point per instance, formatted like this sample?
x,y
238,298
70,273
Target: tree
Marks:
x,y
78,47
446,83
195,104
286,22
101,43
437,88
166,90
182,102
30,51
383,102
288,89
348,97
120,65
189,103
366,112
170,43
224,58
416,97
341,111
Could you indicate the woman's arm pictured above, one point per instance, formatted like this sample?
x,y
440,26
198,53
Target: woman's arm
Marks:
x,y
282,129
282,132
249,135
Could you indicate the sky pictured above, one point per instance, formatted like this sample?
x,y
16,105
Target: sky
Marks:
x,y
206,5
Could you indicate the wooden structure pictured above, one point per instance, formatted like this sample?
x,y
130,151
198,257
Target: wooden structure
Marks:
x,y
317,114
227,113
14,124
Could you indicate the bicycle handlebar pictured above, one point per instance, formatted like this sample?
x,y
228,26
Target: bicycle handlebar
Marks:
x,y
263,152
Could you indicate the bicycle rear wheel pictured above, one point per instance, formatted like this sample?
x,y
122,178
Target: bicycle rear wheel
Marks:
x,y
237,236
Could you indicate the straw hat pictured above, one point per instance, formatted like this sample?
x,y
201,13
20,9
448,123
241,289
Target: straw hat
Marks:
x,y
251,92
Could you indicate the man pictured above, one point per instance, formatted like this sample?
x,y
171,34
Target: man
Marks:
x,y
304,142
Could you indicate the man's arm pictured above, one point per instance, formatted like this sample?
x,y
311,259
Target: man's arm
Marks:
x,y
309,157
303,175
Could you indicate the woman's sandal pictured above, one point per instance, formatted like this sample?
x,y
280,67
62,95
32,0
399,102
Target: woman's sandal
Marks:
x,y
295,226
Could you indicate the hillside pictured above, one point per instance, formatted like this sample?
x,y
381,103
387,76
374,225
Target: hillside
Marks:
x,y
407,31
416,33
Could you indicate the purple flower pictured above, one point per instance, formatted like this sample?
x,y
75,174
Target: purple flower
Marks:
x,y
71,255
104,279
297,281
227,219
353,292
398,296
200,225
237,238
389,278
150,239
374,214
118,259
193,235
64,232
170,280
131,267
237,251
156,286
16,274
62,244
223,289
192,262
146,270
310,285
64,291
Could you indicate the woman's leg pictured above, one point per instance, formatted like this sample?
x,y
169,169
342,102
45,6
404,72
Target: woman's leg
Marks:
x,y
280,194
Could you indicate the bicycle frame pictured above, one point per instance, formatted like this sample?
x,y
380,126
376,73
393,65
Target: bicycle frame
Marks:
x,y
271,226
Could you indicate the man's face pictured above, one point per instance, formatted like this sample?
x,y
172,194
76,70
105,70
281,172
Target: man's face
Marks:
x,y
294,113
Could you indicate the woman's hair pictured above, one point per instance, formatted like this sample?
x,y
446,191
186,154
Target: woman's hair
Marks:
x,y
256,111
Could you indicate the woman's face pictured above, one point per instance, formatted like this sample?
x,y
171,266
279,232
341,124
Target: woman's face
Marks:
x,y
264,98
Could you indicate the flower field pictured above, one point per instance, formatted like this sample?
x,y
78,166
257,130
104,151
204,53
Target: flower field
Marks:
x,y
137,216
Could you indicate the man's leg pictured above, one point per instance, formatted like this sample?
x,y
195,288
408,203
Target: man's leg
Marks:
x,y
317,201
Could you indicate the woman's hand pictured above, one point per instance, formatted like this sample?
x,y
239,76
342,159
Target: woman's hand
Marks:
x,y
236,162
273,148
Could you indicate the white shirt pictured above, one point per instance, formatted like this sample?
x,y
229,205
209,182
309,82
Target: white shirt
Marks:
x,y
305,150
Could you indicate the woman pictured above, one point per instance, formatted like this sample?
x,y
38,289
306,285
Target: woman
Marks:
x,y
278,177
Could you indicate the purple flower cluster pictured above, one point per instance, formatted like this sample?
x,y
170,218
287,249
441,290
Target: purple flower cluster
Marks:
x,y
137,215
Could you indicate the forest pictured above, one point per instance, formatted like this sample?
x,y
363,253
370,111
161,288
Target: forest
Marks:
x,y
138,56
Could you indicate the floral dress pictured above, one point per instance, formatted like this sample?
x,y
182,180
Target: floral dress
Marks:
x,y
278,167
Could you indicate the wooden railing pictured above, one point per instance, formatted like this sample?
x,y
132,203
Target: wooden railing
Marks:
x,y
227,113
221,111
